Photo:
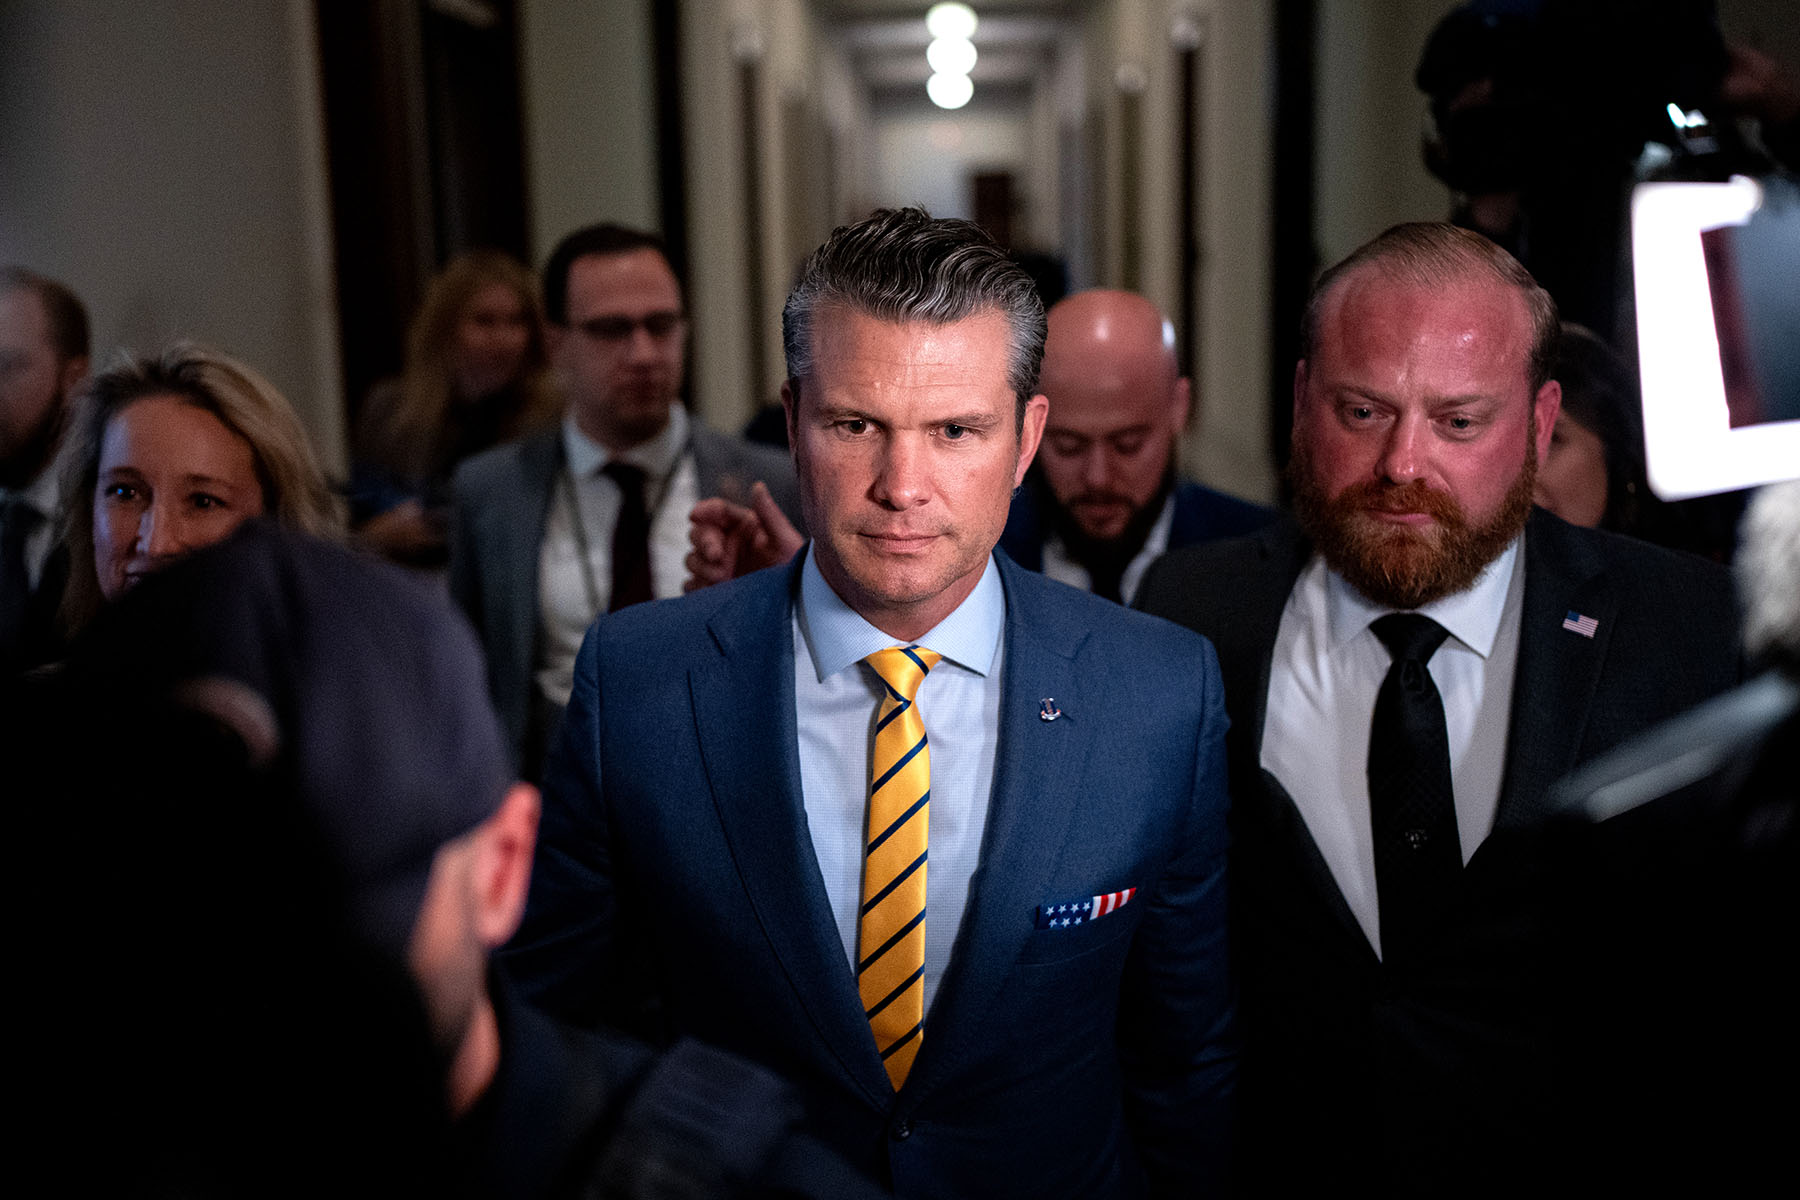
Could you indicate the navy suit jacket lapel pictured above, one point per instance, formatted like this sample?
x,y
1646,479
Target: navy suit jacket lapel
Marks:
x,y
1029,811
1558,670
518,537
744,720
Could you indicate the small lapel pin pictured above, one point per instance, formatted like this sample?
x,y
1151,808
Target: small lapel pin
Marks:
x,y
1576,623
1047,710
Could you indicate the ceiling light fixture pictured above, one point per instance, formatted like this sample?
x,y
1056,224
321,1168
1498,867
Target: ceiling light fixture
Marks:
x,y
951,56
949,91
951,21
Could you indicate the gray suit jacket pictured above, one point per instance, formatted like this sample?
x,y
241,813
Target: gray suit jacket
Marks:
x,y
500,504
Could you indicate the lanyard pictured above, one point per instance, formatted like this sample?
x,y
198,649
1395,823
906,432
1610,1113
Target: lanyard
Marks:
x,y
565,485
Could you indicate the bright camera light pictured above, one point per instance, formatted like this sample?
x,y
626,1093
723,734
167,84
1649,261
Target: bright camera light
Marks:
x,y
949,91
951,21
951,56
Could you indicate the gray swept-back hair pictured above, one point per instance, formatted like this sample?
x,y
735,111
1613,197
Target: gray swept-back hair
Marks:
x,y
905,265
1433,254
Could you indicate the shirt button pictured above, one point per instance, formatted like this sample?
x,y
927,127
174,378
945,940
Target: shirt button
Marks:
x,y
902,1129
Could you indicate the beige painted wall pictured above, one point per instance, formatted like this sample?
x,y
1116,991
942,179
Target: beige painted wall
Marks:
x,y
167,162
1130,40
1367,171
589,98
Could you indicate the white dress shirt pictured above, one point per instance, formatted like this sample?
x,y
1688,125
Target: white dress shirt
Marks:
x,y
1060,567
1328,667
565,605
836,696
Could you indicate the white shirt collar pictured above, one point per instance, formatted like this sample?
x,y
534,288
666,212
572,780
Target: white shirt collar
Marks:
x,y
838,637
656,456
1472,615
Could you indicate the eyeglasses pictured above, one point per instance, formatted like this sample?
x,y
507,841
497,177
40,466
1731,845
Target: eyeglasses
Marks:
x,y
658,325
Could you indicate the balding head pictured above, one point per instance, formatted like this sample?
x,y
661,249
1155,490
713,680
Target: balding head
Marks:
x,y
1117,404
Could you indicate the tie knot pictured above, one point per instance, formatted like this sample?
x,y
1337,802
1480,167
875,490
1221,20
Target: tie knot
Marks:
x,y
903,668
1410,636
629,476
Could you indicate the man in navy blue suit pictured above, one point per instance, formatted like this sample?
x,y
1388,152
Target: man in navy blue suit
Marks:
x,y
939,839
1103,499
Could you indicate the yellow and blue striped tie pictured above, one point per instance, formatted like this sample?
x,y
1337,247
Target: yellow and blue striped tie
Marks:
x,y
890,967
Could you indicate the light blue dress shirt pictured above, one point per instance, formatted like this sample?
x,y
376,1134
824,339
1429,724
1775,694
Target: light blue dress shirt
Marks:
x,y
835,700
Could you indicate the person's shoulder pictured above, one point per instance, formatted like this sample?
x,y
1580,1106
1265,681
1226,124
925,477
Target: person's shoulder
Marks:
x,y
1225,568
729,449
1274,540
1667,571
504,465
675,633
1065,615
1206,514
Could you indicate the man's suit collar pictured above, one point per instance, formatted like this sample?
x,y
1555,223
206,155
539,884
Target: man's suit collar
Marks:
x,y
744,717
1566,572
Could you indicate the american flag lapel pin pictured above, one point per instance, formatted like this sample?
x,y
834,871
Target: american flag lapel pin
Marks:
x,y
1584,625
1047,710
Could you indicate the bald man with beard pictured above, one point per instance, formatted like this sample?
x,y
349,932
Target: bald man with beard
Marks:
x,y
1103,499
1388,907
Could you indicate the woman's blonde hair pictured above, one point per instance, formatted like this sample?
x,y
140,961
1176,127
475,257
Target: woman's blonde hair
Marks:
x,y
407,439
294,491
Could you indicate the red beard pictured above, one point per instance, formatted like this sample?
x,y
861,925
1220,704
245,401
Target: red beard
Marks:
x,y
1405,566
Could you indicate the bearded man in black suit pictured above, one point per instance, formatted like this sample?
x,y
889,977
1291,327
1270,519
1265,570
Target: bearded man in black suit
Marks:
x,y
1407,669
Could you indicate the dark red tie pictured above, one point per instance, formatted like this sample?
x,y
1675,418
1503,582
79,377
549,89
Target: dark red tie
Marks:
x,y
631,537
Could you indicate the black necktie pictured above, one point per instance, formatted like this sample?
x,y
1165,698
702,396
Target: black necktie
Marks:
x,y
17,520
1412,809
631,538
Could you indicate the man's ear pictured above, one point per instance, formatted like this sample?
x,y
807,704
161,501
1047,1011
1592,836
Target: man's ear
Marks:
x,y
1545,406
505,843
1182,410
790,408
1031,432
70,375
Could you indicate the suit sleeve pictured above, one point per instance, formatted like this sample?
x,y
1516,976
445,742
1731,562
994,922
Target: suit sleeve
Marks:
x,y
562,957
465,587
1176,1035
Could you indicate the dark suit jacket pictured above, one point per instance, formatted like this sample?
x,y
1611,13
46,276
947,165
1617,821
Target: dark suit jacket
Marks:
x,y
1201,515
1432,1080
501,502
38,640
674,838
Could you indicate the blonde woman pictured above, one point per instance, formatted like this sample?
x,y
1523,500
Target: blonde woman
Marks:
x,y
169,453
475,376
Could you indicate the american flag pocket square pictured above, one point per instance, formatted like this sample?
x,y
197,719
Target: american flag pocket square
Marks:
x,y
1071,913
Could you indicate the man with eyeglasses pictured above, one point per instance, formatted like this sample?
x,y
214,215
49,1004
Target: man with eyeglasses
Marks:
x,y
550,531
